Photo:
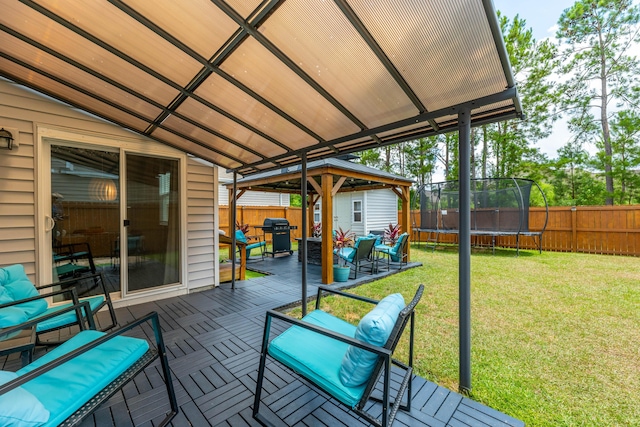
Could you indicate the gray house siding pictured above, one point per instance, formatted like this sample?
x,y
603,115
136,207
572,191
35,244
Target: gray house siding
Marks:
x,y
17,183
382,209
201,215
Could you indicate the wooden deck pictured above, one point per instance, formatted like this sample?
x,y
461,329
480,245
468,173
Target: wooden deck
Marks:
x,y
213,339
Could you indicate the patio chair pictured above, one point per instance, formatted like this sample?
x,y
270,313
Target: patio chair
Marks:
x,y
66,257
260,244
396,253
68,383
344,361
359,255
19,335
26,303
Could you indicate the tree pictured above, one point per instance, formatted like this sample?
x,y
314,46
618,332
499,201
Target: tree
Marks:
x,y
506,148
597,36
573,183
625,147
421,157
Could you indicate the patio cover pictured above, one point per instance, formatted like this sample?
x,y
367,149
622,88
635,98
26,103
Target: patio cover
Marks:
x,y
254,85
251,85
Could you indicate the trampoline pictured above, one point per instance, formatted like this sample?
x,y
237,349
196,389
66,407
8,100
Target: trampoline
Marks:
x,y
499,207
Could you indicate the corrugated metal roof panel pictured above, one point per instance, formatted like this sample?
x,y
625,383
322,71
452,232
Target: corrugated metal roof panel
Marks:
x,y
280,78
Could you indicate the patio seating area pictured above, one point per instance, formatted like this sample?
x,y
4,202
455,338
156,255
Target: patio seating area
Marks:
x,y
213,339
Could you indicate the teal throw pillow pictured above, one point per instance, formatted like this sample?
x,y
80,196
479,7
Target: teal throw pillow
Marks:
x,y
374,328
20,287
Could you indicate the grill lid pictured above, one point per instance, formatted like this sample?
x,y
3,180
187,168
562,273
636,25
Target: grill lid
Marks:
x,y
272,222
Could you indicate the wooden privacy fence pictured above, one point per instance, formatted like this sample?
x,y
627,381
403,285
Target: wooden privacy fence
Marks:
x,y
255,215
611,230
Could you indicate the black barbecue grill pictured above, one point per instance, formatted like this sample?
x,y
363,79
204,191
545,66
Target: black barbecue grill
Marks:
x,y
280,231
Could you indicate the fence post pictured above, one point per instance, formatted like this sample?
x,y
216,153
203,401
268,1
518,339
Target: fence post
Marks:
x,y
574,229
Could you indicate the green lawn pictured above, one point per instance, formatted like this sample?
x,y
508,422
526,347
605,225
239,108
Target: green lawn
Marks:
x,y
555,336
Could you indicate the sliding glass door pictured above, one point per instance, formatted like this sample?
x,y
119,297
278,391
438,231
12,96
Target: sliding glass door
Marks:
x,y
119,218
152,223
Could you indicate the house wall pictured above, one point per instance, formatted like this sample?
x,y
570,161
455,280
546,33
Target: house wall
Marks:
x,y
253,198
29,113
382,209
379,209
202,211
249,198
17,184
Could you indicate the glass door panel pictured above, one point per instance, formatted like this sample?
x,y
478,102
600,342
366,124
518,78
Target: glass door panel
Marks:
x,y
85,207
152,223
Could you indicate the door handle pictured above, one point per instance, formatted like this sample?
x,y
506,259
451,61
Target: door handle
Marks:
x,y
49,223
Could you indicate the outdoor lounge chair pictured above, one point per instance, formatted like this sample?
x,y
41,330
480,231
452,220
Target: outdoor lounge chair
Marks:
x,y
69,383
260,244
359,255
396,253
342,360
24,301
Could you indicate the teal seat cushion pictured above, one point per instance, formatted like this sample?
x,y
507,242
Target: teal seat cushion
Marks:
x,y
254,246
67,318
317,357
66,388
375,327
346,253
18,407
18,286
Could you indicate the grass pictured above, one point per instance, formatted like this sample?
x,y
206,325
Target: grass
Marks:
x,y
555,336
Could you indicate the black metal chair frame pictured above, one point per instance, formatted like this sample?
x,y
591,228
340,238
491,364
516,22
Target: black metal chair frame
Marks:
x,y
154,352
404,256
26,350
70,253
258,242
363,255
65,286
382,368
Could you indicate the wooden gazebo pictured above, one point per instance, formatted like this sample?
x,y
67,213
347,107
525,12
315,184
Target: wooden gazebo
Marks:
x,y
325,179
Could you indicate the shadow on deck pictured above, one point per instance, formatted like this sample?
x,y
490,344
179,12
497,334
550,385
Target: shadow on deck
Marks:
x,y
213,339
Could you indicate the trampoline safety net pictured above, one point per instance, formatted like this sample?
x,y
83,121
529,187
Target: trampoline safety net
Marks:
x,y
499,205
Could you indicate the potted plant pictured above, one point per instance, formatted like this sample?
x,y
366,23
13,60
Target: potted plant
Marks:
x,y
242,227
392,234
316,230
341,240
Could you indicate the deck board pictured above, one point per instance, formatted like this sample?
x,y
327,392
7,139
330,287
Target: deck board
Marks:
x,y
213,340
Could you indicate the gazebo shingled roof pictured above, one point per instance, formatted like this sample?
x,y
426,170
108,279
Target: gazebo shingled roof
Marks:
x,y
359,177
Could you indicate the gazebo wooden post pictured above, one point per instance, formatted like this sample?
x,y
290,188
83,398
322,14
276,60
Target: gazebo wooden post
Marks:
x,y
232,251
327,227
